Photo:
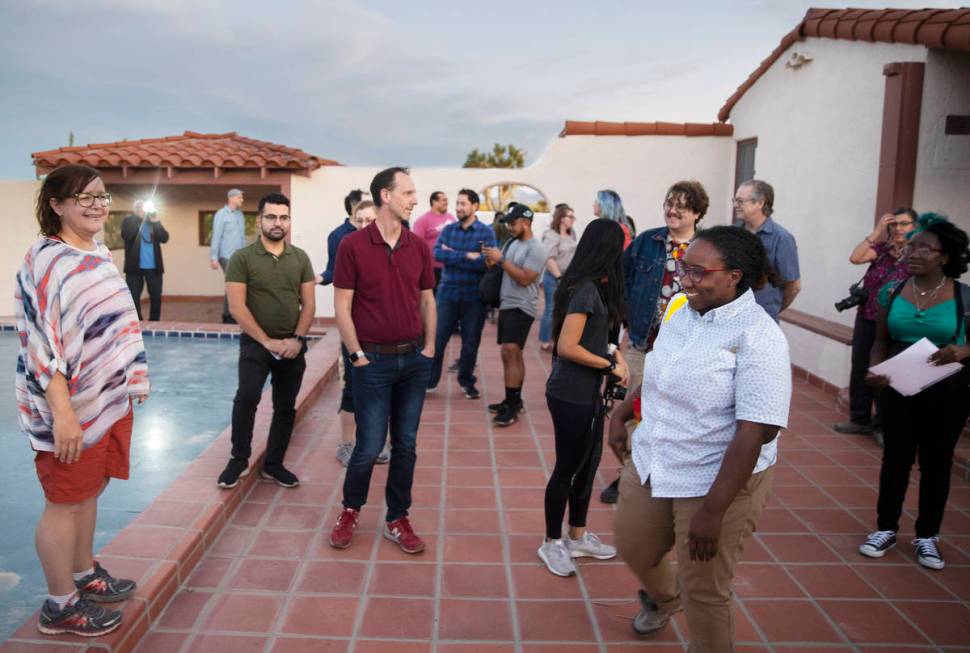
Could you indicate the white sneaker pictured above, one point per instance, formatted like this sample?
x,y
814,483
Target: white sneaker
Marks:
x,y
344,451
927,554
589,546
556,557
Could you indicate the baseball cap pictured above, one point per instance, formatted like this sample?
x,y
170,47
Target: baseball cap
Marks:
x,y
517,211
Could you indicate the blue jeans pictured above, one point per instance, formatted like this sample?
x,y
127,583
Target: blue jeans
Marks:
x,y
471,317
549,285
388,391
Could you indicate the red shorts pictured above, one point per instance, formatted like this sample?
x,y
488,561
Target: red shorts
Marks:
x,y
77,481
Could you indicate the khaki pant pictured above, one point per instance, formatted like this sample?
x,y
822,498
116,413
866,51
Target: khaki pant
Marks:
x,y
647,529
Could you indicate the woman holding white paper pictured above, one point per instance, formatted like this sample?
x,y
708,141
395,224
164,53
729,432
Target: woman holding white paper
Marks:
x,y
932,304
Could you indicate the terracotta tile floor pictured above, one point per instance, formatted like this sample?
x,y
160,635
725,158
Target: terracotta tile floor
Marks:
x,y
273,584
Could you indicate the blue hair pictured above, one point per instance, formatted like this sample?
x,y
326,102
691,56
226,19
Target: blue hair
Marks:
x,y
611,207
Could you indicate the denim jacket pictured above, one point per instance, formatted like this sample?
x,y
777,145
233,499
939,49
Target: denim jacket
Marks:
x,y
643,269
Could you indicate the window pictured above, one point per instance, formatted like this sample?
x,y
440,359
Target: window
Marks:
x,y
112,229
497,196
744,164
205,226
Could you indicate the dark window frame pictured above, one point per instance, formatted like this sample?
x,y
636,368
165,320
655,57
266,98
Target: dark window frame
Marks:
x,y
739,146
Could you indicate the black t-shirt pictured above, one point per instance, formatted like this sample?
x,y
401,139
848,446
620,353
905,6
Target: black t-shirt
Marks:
x,y
570,381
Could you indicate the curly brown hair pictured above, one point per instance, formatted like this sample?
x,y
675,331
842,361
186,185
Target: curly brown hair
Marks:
x,y
695,197
59,185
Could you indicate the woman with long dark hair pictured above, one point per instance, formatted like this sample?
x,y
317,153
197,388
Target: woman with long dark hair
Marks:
x,y
926,426
588,305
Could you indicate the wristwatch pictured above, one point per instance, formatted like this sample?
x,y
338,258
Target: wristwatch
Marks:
x,y
302,339
356,356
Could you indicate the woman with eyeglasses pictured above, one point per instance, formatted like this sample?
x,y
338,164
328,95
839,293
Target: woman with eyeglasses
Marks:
x,y
588,305
926,426
716,391
881,250
81,362
560,244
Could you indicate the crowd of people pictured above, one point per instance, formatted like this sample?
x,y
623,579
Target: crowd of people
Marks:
x,y
666,341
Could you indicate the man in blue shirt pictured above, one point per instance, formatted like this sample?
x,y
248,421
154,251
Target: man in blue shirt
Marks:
x,y
143,235
753,206
458,298
228,235
353,198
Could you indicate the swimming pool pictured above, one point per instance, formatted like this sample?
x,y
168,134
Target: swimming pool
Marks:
x,y
193,383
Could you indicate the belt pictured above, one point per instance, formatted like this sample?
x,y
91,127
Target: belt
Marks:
x,y
390,347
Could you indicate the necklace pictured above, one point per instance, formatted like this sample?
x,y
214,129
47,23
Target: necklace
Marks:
x,y
917,293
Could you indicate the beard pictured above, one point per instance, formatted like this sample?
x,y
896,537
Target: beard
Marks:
x,y
275,235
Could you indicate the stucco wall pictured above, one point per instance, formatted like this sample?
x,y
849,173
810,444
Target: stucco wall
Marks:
x,y
571,170
20,232
819,130
943,162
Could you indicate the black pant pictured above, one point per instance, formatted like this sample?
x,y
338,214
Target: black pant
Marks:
x,y
925,426
860,394
579,446
255,363
153,279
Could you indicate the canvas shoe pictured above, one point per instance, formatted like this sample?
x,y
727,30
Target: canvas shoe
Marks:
x,y
927,553
878,543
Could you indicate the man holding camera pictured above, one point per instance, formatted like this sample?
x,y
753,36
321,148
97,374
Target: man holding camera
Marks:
x,y
143,235
459,248
753,206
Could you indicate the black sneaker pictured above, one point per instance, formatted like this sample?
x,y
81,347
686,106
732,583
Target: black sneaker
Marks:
x,y
506,417
235,470
854,427
927,553
471,392
83,617
497,408
102,587
280,474
611,492
453,368
877,544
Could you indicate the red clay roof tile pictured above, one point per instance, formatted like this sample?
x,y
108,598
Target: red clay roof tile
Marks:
x,y
190,150
947,29
599,128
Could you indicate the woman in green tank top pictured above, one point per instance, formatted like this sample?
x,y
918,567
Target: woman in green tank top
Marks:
x,y
931,304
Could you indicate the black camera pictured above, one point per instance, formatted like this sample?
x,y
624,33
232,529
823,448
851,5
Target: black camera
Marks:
x,y
612,391
857,295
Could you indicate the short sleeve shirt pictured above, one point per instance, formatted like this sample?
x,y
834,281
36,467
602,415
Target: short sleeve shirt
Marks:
x,y
783,256
272,285
531,255
387,284
570,381
704,374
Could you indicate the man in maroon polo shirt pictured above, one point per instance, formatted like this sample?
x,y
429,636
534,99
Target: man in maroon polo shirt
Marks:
x,y
385,307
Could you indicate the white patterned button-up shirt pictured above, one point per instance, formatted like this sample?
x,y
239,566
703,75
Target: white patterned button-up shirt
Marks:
x,y
706,372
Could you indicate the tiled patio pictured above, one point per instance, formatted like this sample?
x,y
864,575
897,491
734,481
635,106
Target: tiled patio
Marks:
x,y
271,583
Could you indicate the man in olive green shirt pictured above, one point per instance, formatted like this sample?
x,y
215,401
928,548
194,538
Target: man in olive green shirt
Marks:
x,y
270,286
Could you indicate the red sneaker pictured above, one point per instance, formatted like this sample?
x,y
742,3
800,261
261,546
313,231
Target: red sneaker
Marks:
x,y
400,531
343,532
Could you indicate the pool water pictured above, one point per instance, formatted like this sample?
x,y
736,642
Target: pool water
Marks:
x,y
193,383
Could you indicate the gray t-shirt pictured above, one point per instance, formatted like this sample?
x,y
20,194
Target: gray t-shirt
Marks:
x,y
529,254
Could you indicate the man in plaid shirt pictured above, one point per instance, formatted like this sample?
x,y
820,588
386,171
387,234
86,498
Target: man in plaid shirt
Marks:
x,y
459,247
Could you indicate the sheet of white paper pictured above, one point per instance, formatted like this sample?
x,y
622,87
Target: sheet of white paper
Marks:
x,y
909,371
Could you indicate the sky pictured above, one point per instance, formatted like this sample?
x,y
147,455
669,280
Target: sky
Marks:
x,y
381,82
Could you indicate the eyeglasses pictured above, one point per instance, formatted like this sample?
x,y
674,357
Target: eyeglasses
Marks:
x,y
695,273
900,224
677,207
87,200
742,200
919,248
269,217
